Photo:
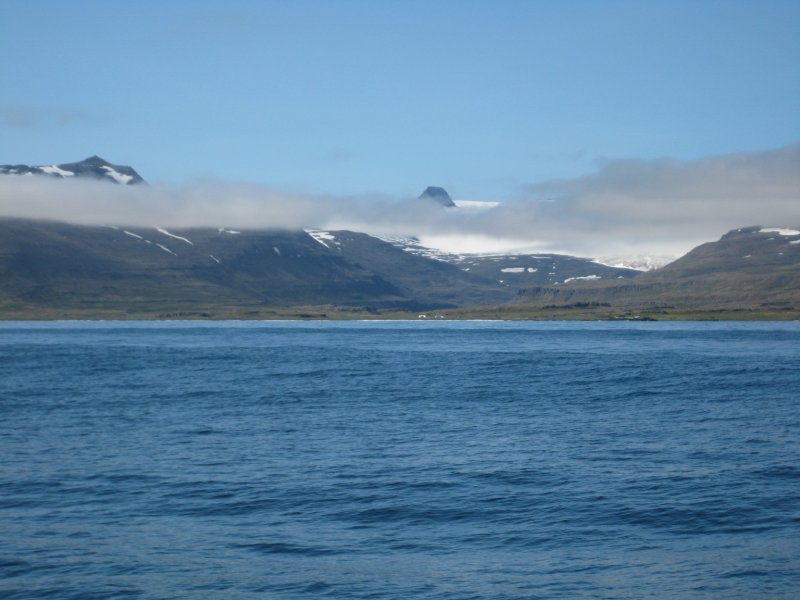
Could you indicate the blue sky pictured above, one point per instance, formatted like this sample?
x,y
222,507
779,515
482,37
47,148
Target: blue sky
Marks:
x,y
352,98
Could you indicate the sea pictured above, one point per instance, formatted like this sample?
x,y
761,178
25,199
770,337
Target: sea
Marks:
x,y
430,459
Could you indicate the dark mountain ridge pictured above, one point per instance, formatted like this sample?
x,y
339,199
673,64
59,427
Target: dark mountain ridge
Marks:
x,y
93,167
438,195
48,266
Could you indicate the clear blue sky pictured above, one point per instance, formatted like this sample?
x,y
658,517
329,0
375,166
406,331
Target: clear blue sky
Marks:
x,y
352,97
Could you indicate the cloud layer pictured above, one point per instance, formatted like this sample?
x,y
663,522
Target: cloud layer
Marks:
x,y
627,207
664,203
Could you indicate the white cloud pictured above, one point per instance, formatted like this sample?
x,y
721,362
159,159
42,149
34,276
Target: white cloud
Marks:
x,y
659,206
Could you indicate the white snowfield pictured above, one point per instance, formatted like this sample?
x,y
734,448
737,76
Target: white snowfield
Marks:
x,y
583,278
780,231
132,234
474,205
117,176
231,231
172,235
413,246
54,170
639,262
321,236
519,269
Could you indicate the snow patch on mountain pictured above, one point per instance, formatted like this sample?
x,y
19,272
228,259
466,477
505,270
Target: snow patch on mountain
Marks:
x,y
637,262
780,231
54,170
323,237
165,249
117,176
413,245
177,237
582,278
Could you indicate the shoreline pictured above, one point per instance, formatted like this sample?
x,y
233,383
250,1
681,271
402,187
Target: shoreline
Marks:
x,y
433,316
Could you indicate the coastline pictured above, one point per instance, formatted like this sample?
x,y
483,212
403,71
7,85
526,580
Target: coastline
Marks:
x,y
499,313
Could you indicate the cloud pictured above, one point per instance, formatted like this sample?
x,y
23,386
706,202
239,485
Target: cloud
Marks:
x,y
662,207
198,204
662,204
38,117
658,207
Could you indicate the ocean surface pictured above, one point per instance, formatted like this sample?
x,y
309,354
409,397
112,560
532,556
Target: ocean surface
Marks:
x,y
449,460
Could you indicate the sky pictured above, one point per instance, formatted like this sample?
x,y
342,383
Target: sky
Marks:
x,y
529,103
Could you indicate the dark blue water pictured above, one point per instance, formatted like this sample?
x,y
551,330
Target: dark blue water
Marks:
x,y
399,460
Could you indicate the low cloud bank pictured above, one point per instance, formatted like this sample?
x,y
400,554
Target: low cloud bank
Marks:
x,y
665,204
626,207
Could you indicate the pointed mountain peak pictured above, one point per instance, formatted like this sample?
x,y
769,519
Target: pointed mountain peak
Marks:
x,y
437,194
93,167
95,161
99,168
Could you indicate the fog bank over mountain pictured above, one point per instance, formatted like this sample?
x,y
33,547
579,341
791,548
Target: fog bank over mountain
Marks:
x,y
626,207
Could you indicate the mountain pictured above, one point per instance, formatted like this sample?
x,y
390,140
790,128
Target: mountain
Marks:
x,y
93,167
54,268
751,268
49,267
438,195
519,270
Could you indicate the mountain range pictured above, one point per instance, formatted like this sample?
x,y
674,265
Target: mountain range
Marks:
x,y
51,269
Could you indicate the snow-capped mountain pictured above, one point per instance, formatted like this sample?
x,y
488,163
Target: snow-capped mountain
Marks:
x,y
518,269
93,167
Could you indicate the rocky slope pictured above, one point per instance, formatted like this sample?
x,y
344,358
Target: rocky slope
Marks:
x,y
752,268
53,265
